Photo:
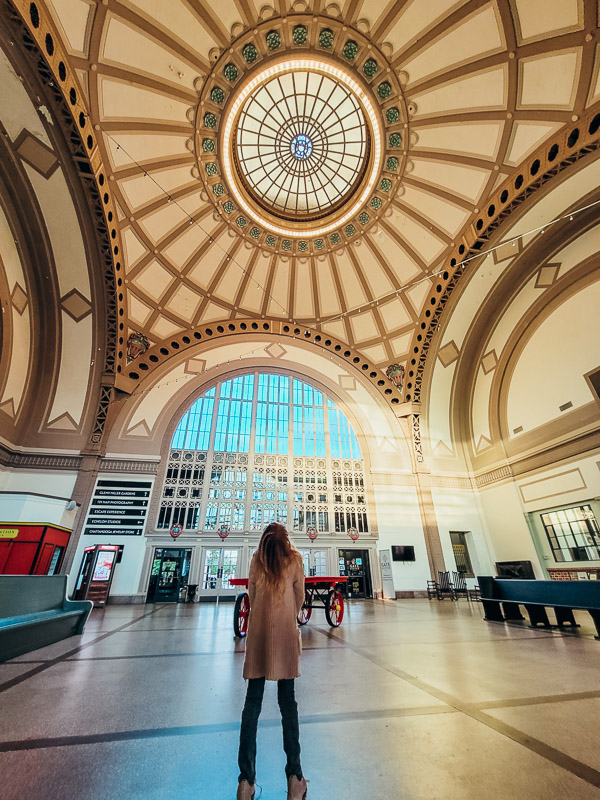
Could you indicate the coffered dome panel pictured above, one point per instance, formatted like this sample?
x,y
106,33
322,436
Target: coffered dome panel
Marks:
x,y
238,204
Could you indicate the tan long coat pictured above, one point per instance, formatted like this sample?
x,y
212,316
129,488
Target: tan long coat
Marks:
x,y
273,642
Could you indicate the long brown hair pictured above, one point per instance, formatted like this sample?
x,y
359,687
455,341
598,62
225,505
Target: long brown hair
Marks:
x,y
275,552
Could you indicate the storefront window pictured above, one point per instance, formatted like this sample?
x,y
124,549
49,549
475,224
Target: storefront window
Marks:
x,y
573,533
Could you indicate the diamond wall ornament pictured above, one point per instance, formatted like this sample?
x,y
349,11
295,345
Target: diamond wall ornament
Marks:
x,y
275,350
76,305
19,299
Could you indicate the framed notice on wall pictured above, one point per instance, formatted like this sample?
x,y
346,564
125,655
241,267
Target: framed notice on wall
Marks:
x,y
119,507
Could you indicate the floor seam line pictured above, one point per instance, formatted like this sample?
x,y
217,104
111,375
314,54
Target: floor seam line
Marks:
x,y
558,757
64,656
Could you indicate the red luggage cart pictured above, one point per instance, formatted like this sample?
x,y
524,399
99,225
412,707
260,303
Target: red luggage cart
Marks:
x,y
321,589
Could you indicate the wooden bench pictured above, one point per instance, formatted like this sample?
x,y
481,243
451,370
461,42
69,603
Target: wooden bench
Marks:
x,y
34,612
502,599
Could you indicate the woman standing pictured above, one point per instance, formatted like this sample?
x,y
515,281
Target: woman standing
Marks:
x,y
276,589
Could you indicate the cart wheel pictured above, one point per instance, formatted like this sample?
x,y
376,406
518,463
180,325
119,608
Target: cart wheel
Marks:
x,y
306,610
334,608
240,614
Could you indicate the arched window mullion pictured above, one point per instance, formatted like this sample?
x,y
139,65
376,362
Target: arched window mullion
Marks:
x,y
209,462
251,453
320,443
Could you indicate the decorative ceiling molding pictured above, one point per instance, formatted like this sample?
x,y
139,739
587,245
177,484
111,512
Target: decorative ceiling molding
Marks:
x,y
156,356
343,61
549,160
34,28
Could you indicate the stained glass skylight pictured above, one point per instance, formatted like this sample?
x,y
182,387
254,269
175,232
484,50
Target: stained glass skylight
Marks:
x,y
302,144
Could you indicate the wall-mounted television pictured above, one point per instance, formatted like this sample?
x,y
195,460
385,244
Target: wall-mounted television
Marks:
x,y
403,552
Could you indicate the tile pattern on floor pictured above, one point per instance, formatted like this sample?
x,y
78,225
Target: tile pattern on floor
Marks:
x,y
409,699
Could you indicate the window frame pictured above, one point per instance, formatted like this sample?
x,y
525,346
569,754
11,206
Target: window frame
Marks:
x,y
323,513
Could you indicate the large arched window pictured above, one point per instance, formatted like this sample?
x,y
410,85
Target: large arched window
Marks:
x,y
260,448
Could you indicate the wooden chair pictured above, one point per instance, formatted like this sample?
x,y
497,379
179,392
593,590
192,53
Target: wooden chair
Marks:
x,y
460,585
445,586
432,589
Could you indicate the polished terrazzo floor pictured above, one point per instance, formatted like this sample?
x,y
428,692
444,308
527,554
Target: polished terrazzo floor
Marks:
x,y
407,700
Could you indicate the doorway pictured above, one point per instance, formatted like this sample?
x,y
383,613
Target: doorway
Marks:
x,y
314,562
219,564
355,565
460,548
170,571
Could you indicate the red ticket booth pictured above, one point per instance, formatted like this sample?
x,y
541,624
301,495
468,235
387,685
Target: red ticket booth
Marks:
x,y
32,548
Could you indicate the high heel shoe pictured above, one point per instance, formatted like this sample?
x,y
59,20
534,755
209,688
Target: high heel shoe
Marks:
x,y
245,791
296,789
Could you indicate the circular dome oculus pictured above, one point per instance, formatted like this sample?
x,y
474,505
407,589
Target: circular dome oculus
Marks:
x,y
300,142
301,146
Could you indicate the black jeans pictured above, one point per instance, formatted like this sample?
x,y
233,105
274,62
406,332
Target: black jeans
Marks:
x,y
289,722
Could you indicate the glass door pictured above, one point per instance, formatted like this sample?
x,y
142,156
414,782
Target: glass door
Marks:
x,y
315,562
170,569
219,564
355,565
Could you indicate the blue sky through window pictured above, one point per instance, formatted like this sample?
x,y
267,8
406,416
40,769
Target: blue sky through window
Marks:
x,y
289,413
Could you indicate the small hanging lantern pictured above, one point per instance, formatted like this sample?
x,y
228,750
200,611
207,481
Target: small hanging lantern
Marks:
x,y
136,345
353,534
395,373
223,531
311,533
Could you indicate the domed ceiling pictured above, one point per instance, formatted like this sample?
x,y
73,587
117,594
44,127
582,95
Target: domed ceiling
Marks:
x,y
315,163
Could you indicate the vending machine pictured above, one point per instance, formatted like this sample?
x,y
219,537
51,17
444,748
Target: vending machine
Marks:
x,y
96,573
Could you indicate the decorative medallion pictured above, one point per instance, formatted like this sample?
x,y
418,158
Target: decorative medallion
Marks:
x,y
312,533
223,531
175,531
307,143
136,345
395,373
